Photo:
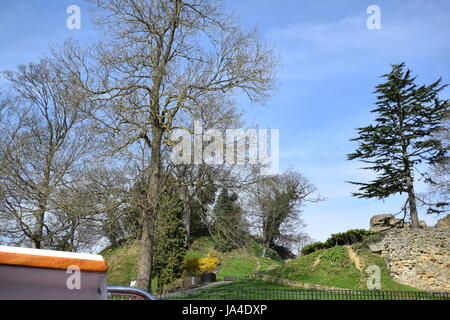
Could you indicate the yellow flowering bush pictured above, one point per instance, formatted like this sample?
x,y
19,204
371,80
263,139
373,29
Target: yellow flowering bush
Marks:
x,y
209,263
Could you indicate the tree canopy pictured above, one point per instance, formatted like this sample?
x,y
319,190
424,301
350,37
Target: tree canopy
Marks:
x,y
401,137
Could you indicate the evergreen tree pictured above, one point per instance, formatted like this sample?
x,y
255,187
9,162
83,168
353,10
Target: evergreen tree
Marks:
x,y
402,136
226,229
137,203
205,196
169,250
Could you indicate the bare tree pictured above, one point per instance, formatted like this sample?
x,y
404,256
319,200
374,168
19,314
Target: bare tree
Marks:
x,y
161,61
437,197
298,241
45,141
92,207
274,206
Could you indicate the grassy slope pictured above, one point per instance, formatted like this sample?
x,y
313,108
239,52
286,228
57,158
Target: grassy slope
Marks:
x,y
253,284
237,263
333,267
121,264
330,267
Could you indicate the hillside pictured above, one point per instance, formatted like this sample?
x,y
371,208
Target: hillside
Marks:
x,y
122,262
339,267
238,263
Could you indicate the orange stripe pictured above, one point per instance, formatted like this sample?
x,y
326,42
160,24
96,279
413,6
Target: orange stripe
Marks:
x,y
30,260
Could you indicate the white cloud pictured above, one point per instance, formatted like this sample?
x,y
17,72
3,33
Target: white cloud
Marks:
x,y
346,45
352,33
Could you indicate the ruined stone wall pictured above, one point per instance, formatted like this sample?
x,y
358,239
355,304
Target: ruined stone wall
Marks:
x,y
417,257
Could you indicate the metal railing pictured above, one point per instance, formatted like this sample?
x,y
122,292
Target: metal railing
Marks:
x,y
124,293
127,293
300,294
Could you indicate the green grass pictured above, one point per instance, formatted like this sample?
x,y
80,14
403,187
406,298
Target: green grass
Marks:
x,y
253,284
261,290
334,268
122,264
327,267
240,263
237,290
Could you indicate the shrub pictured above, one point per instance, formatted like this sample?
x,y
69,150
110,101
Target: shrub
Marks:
x,y
191,266
194,266
257,250
336,255
373,238
272,254
339,239
310,248
347,238
208,264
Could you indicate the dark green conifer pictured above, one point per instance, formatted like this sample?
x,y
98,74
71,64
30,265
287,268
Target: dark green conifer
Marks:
x,y
227,227
169,250
401,137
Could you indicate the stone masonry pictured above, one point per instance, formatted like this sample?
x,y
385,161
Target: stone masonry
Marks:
x,y
417,257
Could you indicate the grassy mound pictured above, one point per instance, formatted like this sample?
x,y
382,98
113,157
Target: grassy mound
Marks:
x,y
122,263
337,267
329,267
240,263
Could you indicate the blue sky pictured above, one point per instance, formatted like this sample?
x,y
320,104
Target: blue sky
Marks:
x,y
330,63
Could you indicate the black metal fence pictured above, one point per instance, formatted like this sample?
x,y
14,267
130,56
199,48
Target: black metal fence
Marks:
x,y
297,294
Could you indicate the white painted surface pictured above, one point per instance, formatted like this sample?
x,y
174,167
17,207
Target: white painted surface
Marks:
x,y
51,253
49,284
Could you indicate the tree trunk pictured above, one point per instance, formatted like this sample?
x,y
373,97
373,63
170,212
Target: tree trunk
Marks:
x,y
412,203
187,222
145,260
39,229
263,255
43,196
410,187
144,272
266,246
36,244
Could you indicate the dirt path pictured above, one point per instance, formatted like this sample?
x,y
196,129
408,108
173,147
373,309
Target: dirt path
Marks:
x,y
355,258
317,261
187,291
212,284
296,284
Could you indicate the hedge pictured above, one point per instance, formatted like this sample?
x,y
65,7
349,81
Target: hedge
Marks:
x,y
338,239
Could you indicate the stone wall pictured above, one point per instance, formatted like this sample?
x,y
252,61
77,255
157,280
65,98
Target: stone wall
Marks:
x,y
444,223
417,257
